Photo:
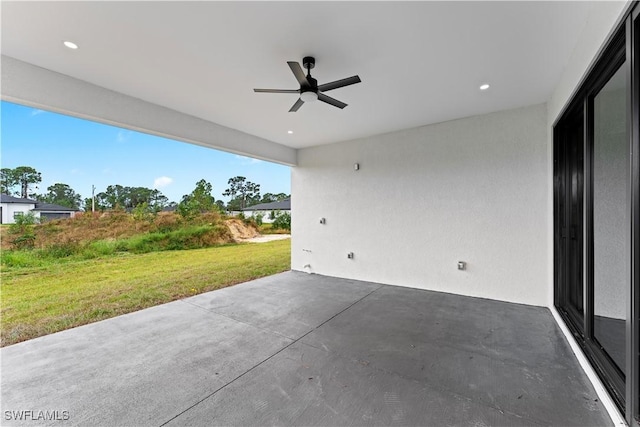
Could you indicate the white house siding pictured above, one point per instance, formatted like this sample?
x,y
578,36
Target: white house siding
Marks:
x,y
9,209
266,214
480,187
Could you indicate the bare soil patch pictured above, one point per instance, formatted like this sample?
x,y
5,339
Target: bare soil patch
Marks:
x,y
240,231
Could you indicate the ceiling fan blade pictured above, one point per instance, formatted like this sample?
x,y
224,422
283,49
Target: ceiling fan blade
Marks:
x,y
276,90
298,72
339,83
324,98
296,106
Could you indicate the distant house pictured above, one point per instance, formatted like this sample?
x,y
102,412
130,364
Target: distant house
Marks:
x,y
13,207
268,210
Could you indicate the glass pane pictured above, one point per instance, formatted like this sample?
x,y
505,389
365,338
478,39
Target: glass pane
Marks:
x,y
610,216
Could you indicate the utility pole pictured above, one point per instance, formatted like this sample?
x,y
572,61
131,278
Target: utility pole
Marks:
x,y
93,198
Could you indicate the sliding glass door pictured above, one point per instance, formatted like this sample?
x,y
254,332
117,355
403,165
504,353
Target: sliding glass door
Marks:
x,y
593,227
611,217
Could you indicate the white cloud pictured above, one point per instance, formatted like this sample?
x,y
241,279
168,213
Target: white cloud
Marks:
x,y
247,160
123,135
35,112
162,181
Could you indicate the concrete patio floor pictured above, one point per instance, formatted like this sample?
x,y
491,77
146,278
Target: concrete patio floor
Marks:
x,y
298,349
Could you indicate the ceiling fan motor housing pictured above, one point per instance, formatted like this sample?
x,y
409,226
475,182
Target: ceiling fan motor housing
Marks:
x,y
309,62
312,87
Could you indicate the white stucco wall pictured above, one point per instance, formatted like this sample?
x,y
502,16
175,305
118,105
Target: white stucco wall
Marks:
x,y
472,190
9,209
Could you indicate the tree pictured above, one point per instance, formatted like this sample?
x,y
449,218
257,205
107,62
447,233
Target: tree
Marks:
x,y
157,200
6,180
270,198
243,193
101,205
63,195
23,177
198,201
117,196
112,198
135,196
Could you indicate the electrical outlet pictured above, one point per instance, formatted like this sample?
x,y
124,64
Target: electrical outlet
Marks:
x,y
350,255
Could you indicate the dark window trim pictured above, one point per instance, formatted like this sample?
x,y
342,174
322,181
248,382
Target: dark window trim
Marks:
x,y
633,327
622,43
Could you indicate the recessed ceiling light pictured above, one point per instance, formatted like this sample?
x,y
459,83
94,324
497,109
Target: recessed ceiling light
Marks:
x,y
289,132
70,45
484,86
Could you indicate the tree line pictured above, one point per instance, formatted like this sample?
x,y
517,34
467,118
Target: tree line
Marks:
x,y
21,182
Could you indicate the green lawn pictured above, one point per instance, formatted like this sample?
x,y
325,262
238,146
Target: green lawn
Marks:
x,y
40,301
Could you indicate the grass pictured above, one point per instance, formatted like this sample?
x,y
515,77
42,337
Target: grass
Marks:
x,y
41,300
267,228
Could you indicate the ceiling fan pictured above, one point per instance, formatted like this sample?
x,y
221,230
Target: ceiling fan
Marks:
x,y
309,90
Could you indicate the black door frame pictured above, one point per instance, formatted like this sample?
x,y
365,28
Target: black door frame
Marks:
x,y
632,29
624,43
568,180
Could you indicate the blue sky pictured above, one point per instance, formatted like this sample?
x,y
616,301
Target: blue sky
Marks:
x,y
81,153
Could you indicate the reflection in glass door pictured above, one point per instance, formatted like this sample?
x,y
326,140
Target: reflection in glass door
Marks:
x,y
610,217
568,207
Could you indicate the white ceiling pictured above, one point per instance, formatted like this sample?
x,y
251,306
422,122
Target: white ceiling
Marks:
x,y
420,62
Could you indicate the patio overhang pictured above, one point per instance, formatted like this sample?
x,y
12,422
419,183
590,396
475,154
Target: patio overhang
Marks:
x,y
187,69
27,84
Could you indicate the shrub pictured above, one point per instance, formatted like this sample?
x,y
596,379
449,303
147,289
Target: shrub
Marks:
x,y
100,248
192,237
143,212
250,221
22,229
210,218
19,259
60,250
165,222
282,221
24,241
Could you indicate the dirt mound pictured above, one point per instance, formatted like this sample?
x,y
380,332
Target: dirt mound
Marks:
x,y
114,225
241,231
